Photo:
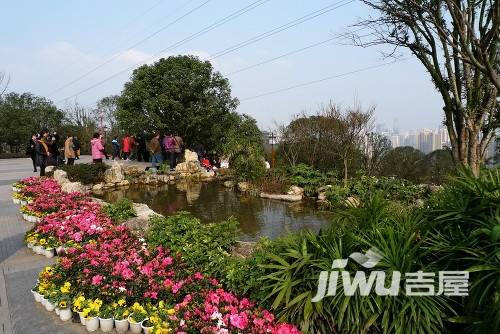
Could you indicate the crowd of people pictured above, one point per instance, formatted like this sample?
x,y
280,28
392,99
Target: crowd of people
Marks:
x,y
44,150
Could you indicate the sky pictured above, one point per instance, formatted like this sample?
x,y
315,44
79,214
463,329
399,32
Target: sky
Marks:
x,y
83,50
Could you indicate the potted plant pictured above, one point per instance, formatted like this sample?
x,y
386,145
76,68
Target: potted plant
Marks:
x,y
121,314
147,326
106,320
90,313
64,309
79,303
49,247
135,318
35,293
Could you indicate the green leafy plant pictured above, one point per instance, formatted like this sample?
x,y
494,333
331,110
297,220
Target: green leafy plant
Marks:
x,y
120,211
205,247
85,173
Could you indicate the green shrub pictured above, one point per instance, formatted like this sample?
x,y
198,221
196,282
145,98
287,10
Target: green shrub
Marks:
x,y
275,182
310,179
204,247
85,173
120,211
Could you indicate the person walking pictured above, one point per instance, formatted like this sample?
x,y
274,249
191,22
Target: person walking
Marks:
x,y
142,152
155,149
178,148
126,147
116,148
69,152
42,151
169,146
97,148
133,147
31,152
76,147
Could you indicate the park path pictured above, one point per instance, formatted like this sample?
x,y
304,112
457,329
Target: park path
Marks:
x,y
19,267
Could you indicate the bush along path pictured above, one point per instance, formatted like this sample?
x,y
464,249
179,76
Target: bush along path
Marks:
x,y
112,278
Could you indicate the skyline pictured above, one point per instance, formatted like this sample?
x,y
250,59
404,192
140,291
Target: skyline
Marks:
x,y
43,57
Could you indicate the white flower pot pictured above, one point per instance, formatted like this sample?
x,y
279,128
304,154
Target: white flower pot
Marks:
x,y
16,190
106,325
49,306
135,327
43,300
82,319
147,330
25,216
121,326
57,310
48,252
16,200
65,314
38,249
22,202
37,296
92,324
38,219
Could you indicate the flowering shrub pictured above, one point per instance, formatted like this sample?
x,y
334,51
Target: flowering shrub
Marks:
x,y
107,271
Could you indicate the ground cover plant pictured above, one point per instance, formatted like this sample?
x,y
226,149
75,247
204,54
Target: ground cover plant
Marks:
x,y
85,173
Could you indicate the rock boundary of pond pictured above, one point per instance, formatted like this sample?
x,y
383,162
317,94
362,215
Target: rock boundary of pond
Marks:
x,y
139,224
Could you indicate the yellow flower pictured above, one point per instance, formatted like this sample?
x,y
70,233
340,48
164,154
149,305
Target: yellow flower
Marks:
x,y
63,304
121,302
43,241
64,289
86,312
171,311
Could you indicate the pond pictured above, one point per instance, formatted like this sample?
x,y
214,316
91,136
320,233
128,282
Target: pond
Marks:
x,y
212,202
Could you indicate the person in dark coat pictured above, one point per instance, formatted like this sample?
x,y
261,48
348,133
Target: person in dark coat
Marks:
x,y
31,152
76,147
42,151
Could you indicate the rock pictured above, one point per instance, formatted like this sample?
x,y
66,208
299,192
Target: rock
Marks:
x,y
60,176
322,196
123,183
294,190
98,187
190,156
190,167
143,211
243,186
352,201
286,198
114,174
434,188
108,185
132,170
49,169
419,203
229,184
207,174
243,249
71,187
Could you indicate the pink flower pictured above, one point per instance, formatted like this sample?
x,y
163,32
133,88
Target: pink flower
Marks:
x,y
97,279
240,321
286,329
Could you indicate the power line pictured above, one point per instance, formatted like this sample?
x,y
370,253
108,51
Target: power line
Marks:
x,y
201,32
323,79
291,53
129,48
281,28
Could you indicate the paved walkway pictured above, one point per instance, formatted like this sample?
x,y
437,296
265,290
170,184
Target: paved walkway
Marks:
x,y
19,267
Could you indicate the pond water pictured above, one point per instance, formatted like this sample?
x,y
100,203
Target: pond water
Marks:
x,y
212,202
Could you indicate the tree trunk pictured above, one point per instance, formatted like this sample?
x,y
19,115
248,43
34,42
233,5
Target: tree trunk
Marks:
x,y
345,172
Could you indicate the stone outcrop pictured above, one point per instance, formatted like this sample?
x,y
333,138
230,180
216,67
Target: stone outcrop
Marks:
x,y
114,174
294,190
132,171
282,197
243,186
60,176
190,156
352,201
229,184
71,187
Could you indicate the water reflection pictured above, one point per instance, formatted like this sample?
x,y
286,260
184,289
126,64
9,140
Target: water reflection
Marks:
x,y
212,202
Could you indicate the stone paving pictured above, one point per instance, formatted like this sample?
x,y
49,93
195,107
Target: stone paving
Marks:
x,y
19,313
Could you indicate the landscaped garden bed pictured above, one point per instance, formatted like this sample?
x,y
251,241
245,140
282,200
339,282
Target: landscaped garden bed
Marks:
x,y
105,272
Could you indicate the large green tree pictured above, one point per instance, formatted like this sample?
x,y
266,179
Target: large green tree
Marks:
x,y
179,94
22,115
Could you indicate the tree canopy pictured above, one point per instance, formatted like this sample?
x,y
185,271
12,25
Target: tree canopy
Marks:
x,y
179,94
22,115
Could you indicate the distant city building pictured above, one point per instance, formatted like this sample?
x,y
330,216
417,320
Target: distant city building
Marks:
x,y
425,140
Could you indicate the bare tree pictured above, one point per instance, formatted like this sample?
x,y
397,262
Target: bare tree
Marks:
x,y
105,113
4,83
376,146
457,42
348,131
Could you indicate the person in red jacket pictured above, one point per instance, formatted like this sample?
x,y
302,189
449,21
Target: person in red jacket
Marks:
x,y
126,147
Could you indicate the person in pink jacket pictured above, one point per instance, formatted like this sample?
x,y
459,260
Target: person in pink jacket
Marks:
x,y
97,148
